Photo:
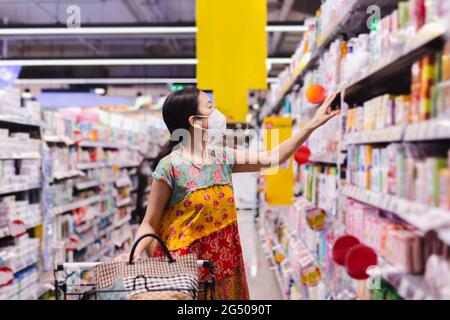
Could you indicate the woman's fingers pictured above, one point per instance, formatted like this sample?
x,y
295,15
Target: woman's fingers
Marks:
x,y
327,102
334,113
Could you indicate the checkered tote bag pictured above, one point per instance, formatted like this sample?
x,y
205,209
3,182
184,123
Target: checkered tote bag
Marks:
x,y
162,278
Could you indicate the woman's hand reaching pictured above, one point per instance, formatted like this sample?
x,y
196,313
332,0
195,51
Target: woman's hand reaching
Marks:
x,y
324,113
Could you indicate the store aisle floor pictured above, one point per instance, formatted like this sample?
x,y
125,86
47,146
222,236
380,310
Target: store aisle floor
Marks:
x,y
261,279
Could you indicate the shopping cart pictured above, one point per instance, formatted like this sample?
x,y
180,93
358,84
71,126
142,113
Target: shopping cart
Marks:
x,y
76,281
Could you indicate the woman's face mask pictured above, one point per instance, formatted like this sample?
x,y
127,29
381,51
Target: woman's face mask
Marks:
x,y
217,122
217,125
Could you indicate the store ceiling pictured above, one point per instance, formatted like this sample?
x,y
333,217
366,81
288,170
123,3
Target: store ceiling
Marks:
x,y
129,12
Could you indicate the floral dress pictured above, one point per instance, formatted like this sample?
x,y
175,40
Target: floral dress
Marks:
x,y
201,218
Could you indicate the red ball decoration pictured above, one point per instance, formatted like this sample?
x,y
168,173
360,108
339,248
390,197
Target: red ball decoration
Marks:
x,y
315,93
358,259
302,155
341,247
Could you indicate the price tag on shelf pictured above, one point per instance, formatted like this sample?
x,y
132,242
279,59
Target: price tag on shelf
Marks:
x,y
428,130
392,204
387,202
422,131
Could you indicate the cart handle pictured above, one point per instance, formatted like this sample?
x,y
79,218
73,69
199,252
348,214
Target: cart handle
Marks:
x,y
155,236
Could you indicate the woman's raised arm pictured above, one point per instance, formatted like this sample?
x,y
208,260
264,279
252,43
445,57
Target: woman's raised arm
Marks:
x,y
248,161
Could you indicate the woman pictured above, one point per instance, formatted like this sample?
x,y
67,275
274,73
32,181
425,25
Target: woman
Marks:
x,y
191,205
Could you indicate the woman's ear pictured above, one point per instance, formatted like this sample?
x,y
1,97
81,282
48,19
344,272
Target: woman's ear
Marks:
x,y
192,121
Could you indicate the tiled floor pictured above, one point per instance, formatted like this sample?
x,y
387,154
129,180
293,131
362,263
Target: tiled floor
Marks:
x,y
261,280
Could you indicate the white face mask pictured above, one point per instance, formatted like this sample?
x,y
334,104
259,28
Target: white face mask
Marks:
x,y
217,122
217,127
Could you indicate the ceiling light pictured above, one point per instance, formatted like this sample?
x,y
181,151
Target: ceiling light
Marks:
x,y
95,62
100,91
298,28
279,60
62,81
113,62
116,30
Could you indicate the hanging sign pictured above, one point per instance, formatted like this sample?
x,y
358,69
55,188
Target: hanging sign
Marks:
x,y
311,275
316,218
231,52
279,181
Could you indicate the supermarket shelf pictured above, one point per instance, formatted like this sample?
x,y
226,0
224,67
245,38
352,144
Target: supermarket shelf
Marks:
x,y
129,164
422,217
60,175
19,187
390,134
86,243
429,130
59,139
97,144
86,226
105,231
93,183
434,129
43,288
29,292
106,215
123,182
121,222
20,120
5,232
352,21
92,165
123,202
24,263
100,254
88,184
328,158
19,155
444,235
389,70
78,204
410,287
275,266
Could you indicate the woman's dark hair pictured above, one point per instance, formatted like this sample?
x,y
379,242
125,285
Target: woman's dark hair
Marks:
x,y
176,110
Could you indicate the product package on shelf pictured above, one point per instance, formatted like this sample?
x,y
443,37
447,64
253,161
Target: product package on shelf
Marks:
x,y
347,61
417,172
12,106
21,259
400,247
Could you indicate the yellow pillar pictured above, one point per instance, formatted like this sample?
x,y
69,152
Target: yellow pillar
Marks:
x,y
232,52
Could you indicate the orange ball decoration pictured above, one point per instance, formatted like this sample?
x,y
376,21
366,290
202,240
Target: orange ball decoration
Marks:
x,y
315,93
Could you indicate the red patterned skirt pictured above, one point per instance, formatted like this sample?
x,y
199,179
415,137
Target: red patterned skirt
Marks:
x,y
223,249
